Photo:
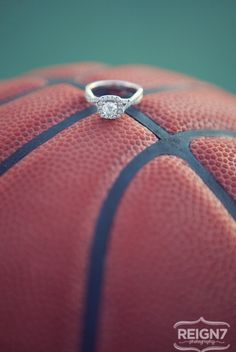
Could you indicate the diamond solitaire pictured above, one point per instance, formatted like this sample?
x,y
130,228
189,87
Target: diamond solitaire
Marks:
x,y
110,106
113,106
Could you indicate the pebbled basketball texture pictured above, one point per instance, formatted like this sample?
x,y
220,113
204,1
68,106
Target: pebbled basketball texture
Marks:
x,y
113,231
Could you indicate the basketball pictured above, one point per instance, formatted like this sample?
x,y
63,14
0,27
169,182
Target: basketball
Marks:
x,y
112,232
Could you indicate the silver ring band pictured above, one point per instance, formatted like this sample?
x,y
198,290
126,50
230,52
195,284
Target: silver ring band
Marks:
x,y
113,106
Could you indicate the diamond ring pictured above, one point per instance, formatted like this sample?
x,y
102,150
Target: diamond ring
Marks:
x,y
111,106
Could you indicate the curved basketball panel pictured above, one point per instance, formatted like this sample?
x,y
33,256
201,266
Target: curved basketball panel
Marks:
x,y
13,88
29,116
218,155
49,205
199,107
171,257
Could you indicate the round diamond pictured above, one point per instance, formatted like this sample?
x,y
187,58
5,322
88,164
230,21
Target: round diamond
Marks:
x,y
109,109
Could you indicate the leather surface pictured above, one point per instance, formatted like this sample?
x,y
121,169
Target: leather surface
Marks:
x,y
172,249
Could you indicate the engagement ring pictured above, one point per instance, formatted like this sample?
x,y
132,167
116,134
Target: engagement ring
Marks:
x,y
111,106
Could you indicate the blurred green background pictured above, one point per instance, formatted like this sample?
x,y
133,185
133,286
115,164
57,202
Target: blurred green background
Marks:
x,y
197,37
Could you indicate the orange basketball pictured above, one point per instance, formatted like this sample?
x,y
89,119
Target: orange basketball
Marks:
x,y
114,231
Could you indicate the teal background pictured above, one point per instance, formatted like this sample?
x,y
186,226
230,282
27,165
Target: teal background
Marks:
x,y
197,37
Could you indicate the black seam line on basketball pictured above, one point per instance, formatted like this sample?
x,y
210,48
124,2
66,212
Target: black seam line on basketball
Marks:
x,y
44,137
162,133
82,86
68,81
100,244
147,122
104,224
20,95
147,91
34,90
174,88
183,139
190,135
